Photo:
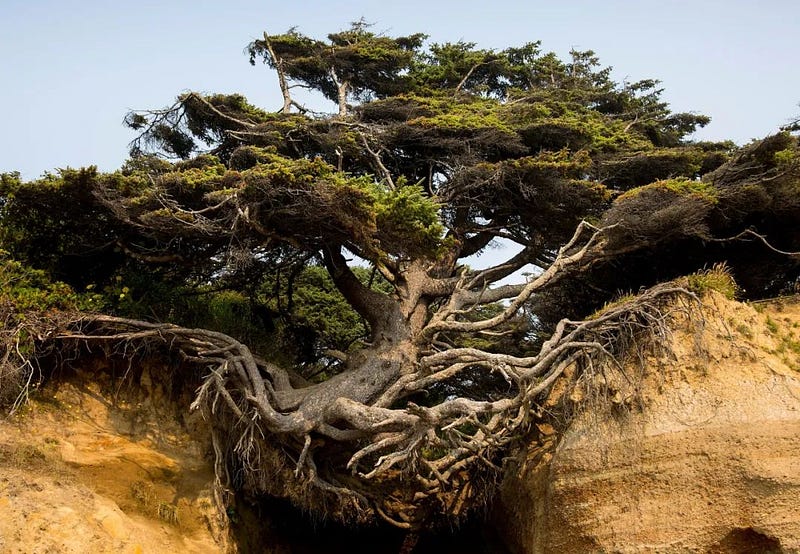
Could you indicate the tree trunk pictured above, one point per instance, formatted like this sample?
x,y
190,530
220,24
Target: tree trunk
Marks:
x,y
342,88
287,97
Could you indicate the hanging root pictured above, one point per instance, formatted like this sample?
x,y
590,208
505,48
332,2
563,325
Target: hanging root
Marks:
x,y
392,458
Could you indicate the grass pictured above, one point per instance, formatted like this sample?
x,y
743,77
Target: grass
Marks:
x,y
144,494
718,279
772,326
744,330
612,304
167,512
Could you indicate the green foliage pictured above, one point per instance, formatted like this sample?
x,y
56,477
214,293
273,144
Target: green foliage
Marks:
x,y
31,308
546,121
646,167
664,212
366,63
55,223
318,312
245,157
680,187
144,166
718,279
407,221
786,157
545,195
478,143
450,65
31,290
446,112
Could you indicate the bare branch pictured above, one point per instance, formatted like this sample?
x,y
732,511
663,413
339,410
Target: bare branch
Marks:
x,y
762,238
443,320
282,82
387,175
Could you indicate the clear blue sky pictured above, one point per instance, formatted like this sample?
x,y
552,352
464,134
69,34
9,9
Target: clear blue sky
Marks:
x,y
71,69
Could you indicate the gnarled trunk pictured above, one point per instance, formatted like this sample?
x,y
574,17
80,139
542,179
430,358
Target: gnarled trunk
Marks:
x,y
384,436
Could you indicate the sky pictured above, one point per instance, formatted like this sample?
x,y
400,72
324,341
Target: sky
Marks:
x,y
72,69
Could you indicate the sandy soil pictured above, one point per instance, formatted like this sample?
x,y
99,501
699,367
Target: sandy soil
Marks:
x,y
710,463
80,474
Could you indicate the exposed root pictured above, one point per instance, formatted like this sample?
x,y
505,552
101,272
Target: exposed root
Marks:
x,y
392,457
24,339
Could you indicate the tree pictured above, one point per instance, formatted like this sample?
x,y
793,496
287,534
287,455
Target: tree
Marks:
x,y
433,155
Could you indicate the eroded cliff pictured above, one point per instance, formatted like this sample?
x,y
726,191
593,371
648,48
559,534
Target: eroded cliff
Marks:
x,y
698,452
95,466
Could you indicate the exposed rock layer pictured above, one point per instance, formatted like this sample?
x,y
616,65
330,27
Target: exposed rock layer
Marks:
x,y
710,463
80,473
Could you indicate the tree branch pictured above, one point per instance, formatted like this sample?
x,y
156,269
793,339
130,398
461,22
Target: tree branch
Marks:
x,y
284,85
373,306
762,238
387,175
443,319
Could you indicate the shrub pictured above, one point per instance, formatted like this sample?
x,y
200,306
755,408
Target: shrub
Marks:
x,y
717,278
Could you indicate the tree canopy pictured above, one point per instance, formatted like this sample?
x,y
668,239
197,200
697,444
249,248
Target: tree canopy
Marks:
x,y
349,346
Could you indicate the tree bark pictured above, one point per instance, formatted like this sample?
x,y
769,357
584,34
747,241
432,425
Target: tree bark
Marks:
x,y
282,81
342,88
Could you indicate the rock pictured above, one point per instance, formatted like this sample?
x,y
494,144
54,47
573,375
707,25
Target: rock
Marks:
x,y
112,520
711,463
80,473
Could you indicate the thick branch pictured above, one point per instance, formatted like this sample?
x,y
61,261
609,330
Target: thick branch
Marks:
x,y
287,97
476,243
501,271
341,90
377,308
443,320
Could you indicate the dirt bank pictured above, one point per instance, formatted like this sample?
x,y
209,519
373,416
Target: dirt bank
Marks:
x,y
82,470
708,462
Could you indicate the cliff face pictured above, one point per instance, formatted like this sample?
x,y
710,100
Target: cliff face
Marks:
x,y
82,470
708,462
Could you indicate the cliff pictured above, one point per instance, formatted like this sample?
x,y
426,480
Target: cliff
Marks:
x,y
696,448
94,465
698,451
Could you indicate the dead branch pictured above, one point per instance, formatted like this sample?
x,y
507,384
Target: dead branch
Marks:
x,y
762,238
